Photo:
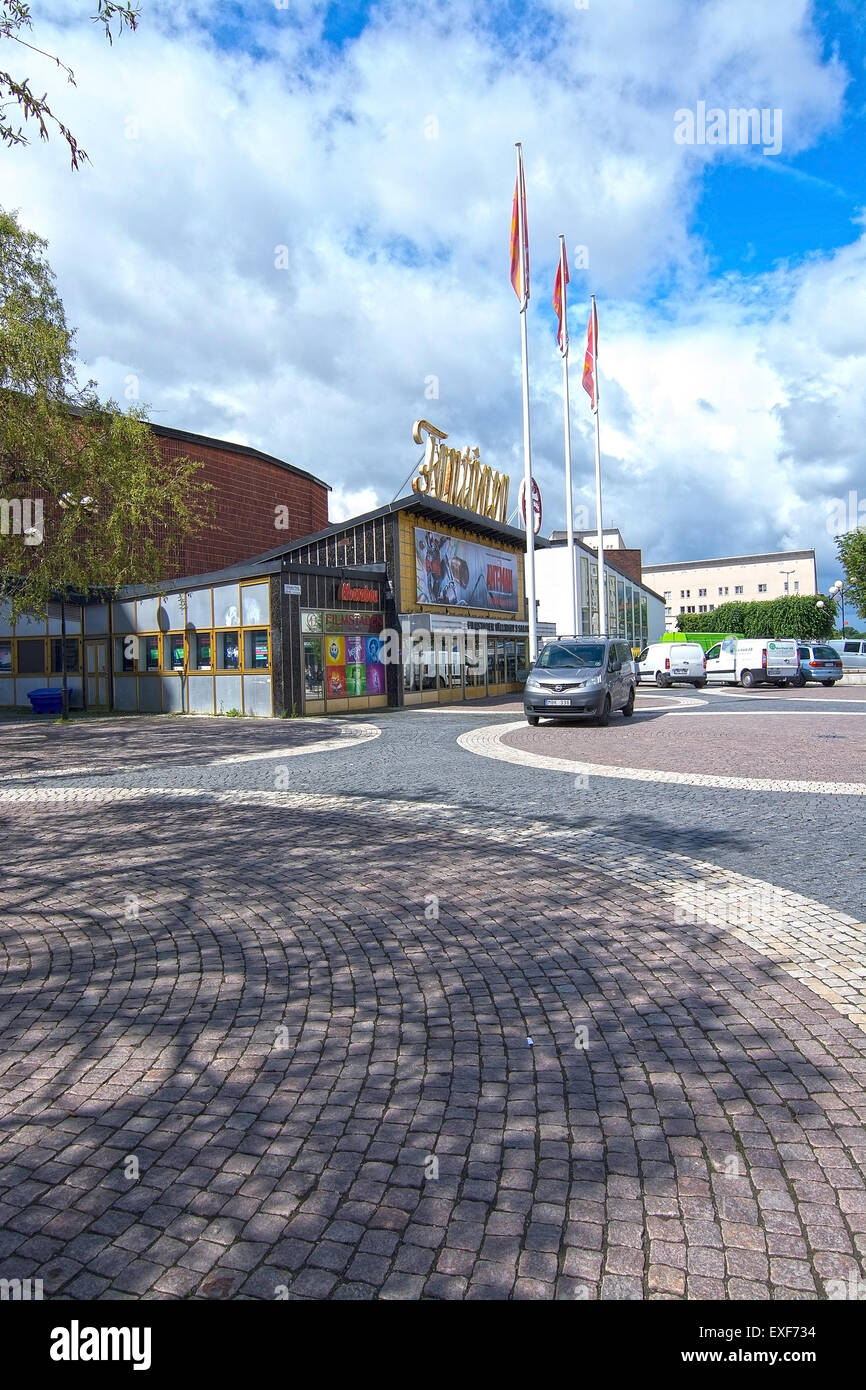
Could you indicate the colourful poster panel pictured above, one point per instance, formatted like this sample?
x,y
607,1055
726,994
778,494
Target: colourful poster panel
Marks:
x,y
356,680
464,574
335,651
335,681
375,678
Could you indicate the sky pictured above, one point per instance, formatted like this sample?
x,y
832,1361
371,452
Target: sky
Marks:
x,y
294,234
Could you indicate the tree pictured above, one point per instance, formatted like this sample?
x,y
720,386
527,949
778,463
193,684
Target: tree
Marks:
x,y
86,501
851,548
15,22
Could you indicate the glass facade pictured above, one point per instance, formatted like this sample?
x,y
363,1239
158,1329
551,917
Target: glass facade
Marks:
x,y
342,659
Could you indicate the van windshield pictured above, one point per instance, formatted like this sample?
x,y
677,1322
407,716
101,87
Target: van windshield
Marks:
x,y
560,654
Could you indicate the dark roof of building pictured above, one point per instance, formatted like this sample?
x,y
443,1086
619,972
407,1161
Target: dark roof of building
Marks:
x,y
433,510
271,561
733,560
184,437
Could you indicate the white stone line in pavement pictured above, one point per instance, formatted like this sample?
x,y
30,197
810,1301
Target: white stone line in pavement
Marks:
x,y
806,939
487,743
349,735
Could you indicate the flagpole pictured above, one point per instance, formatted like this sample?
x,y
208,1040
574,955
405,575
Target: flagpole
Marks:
x,y
569,499
602,595
527,447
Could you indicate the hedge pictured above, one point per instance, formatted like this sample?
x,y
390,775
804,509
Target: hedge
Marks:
x,y
796,615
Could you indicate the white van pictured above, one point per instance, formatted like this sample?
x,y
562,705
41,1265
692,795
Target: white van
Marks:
x,y
752,661
666,662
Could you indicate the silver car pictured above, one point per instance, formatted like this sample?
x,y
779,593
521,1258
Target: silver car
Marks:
x,y
581,677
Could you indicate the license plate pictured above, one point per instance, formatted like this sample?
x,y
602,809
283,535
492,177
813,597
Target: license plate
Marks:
x,y
557,702
681,670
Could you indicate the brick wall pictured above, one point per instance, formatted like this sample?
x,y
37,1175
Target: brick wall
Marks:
x,y
246,492
626,561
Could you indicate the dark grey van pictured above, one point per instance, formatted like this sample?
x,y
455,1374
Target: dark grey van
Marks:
x,y
579,678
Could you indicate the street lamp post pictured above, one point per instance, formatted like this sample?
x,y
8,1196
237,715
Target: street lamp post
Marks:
x,y
837,591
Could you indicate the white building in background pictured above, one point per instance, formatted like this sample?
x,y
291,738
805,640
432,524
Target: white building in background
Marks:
x,y
701,586
634,611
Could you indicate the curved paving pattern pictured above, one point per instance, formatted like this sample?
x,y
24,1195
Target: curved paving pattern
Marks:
x,y
308,1020
633,750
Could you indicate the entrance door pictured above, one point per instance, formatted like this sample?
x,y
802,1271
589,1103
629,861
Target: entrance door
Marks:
x,y
96,673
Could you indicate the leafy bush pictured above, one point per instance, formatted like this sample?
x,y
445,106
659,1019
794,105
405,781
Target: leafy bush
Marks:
x,y
794,615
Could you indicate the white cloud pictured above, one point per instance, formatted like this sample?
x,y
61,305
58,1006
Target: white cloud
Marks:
x,y
397,247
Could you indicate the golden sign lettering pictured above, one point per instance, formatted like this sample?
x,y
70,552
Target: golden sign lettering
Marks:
x,y
459,478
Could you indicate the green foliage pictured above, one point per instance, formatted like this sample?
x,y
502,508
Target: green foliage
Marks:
x,y
15,91
113,511
231,713
794,615
851,548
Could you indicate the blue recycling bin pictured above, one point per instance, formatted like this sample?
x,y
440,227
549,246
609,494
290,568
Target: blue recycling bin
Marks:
x,y
46,701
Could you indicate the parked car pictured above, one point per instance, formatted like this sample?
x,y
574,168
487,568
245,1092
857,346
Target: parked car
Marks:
x,y
818,662
752,661
852,651
667,662
580,677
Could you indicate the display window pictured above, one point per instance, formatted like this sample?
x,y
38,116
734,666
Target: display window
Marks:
x,y
314,678
174,651
151,652
31,656
5,658
73,654
256,650
203,651
228,651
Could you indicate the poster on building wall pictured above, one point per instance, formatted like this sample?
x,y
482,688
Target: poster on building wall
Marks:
x,y
464,574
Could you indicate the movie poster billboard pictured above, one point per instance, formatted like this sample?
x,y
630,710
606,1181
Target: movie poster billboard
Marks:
x,y
464,574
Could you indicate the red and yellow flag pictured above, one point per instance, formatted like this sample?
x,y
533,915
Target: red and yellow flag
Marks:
x,y
520,273
562,330
590,383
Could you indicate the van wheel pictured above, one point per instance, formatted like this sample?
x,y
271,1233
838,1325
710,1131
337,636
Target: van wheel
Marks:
x,y
747,679
780,683
604,714
662,680
628,707
532,719
699,685
831,682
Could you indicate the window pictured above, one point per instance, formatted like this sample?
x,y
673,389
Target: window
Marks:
x,y
151,653
702,608
5,658
762,589
682,593
712,608
720,591
228,651
667,594
174,651
796,585
702,593
203,651
715,652
256,649
738,588
72,657
31,657
688,593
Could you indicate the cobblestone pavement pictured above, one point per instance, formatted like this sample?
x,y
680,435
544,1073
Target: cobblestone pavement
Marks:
x,y
392,1020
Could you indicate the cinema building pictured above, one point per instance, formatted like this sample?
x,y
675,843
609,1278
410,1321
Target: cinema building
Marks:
x,y
420,601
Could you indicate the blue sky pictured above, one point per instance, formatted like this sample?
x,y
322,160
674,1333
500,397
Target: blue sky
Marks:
x,y
376,143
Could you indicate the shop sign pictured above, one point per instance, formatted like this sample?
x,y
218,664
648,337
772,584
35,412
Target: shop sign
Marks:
x,y
354,622
355,593
459,478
